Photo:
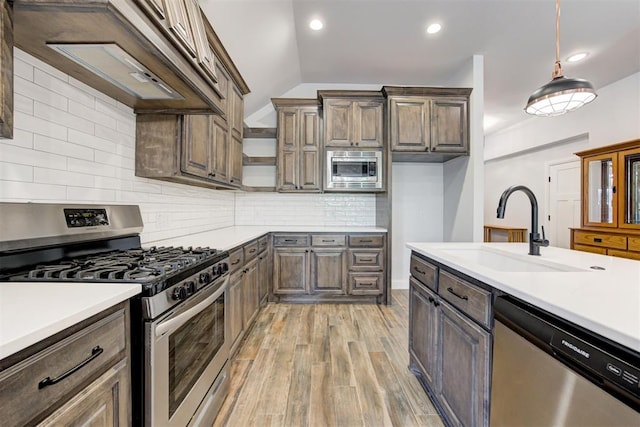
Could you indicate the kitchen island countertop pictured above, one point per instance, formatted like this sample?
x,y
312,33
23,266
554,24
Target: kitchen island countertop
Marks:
x,y
33,311
231,237
605,301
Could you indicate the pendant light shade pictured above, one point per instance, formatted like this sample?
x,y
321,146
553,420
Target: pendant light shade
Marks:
x,y
561,94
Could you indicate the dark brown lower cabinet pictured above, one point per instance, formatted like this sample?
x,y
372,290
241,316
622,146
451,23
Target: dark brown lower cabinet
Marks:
x,y
290,271
236,328
464,368
328,271
450,353
265,271
250,294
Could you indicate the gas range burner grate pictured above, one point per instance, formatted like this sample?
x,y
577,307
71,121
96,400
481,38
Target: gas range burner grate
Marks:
x,y
132,265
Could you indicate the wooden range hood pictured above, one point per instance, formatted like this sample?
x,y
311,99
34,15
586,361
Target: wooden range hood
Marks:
x,y
123,24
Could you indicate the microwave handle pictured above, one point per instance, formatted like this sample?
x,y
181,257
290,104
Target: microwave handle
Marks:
x,y
172,324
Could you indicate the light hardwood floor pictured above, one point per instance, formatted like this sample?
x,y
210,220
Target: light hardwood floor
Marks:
x,y
327,365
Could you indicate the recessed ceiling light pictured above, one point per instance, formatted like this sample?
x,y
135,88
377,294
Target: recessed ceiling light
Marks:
x,y
434,28
316,24
577,57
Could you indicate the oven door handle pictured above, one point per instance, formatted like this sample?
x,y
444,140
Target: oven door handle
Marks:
x,y
182,318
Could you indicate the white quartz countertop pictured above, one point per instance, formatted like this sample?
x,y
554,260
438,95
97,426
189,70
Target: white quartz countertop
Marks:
x,y
230,237
31,312
606,301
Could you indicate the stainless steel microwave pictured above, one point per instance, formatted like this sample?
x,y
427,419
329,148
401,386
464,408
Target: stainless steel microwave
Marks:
x,y
354,170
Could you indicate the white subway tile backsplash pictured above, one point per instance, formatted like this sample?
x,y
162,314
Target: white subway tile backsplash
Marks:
x,y
31,192
92,141
23,104
63,148
90,114
25,156
15,172
64,118
93,168
63,88
22,69
74,144
40,126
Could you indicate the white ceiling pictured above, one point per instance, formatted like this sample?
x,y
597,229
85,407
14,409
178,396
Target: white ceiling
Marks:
x,y
384,42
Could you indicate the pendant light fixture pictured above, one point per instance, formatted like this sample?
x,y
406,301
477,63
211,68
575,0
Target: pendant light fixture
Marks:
x,y
561,94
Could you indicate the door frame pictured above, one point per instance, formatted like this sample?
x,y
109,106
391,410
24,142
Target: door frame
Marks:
x,y
547,189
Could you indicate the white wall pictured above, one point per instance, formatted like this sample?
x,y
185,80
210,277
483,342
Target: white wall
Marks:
x,y
522,153
463,176
417,213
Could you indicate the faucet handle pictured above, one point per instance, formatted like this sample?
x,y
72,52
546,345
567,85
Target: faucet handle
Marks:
x,y
544,241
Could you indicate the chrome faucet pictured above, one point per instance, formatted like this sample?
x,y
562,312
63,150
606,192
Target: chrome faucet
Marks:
x,y
534,237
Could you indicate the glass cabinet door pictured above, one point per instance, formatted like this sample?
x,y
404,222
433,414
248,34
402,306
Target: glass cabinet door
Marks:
x,y
630,162
600,189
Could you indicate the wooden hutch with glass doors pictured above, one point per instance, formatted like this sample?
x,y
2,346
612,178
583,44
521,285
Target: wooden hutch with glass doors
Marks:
x,y
610,201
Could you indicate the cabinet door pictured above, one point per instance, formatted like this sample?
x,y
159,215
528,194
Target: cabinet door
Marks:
x,y
6,70
338,118
224,83
449,131
288,170
464,368
288,140
310,158
367,123
158,8
410,124
196,145
328,271
235,161
179,24
204,54
290,271
250,294
105,402
599,186
264,276
629,188
237,112
423,321
220,157
235,311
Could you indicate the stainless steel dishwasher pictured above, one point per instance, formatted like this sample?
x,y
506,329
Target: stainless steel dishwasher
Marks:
x,y
548,372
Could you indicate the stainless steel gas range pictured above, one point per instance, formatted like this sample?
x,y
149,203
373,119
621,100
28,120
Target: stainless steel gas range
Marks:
x,y
179,323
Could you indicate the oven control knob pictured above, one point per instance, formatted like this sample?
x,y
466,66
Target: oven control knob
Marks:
x,y
191,287
204,277
180,294
224,267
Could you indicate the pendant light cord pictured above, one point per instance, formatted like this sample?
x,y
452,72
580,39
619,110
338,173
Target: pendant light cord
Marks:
x,y
557,70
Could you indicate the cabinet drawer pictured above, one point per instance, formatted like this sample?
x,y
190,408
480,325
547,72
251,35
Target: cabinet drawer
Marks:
x,y
366,283
236,259
366,241
250,251
424,272
604,240
290,240
471,300
592,249
634,244
263,242
23,393
624,254
328,240
366,259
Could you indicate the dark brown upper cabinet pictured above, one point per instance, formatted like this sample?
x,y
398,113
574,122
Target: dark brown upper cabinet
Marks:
x,y
428,124
352,119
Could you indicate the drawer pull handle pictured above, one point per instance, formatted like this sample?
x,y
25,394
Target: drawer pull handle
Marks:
x,y
597,239
95,352
235,262
252,251
328,240
366,241
290,240
418,270
366,259
464,297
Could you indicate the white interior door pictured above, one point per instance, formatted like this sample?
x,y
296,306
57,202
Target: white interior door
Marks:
x,y
564,202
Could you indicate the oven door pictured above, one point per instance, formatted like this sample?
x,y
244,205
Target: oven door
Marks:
x,y
186,350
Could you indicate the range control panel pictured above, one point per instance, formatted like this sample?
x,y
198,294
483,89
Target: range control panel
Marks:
x,y
86,217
